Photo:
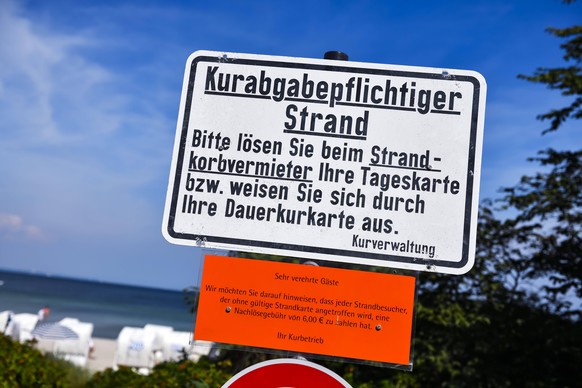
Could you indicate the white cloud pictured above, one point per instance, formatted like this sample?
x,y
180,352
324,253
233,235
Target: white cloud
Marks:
x,y
81,149
49,93
13,227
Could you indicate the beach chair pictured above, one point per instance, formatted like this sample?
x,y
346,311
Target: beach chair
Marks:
x,y
23,324
76,350
175,344
135,349
6,322
160,332
199,349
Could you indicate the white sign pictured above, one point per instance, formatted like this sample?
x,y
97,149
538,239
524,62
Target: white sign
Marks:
x,y
344,161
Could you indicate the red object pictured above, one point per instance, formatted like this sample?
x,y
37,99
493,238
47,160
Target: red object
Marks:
x,y
286,373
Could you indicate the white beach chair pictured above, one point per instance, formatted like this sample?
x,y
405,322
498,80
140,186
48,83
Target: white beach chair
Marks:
x,y
175,343
76,350
160,332
135,348
199,349
6,322
24,323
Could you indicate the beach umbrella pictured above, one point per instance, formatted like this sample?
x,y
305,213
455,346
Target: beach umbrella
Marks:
x,y
53,331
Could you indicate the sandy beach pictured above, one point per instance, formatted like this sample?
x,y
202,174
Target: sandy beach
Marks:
x,y
103,354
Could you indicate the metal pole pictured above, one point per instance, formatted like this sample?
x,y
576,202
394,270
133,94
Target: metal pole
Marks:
x,y
336,55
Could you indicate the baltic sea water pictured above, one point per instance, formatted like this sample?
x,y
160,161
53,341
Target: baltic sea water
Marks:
x,y
108,306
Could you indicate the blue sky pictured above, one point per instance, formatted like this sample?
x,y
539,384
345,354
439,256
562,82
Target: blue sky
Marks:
x,y
90,91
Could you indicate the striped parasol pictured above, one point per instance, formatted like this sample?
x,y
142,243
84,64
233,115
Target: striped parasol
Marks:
x,y
53,331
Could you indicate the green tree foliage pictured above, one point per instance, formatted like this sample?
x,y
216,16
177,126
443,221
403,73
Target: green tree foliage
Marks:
x,y
182,374
21,365
549,203
566,79
514,320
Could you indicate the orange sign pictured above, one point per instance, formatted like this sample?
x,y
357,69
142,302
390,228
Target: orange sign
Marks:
x,y
308,309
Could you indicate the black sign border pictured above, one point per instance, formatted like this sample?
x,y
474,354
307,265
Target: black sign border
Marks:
x,y
335,67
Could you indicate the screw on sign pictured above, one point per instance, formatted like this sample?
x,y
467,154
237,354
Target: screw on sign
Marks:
x,y
286,373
